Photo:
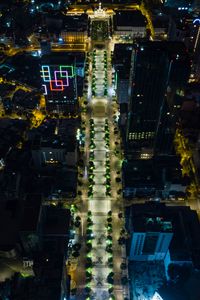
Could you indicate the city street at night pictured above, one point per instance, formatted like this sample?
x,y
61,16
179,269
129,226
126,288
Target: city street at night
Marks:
x,y
99,150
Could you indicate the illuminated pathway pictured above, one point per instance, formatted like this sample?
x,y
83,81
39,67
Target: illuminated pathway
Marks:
x,y
104,202
99,205
98,275
99,73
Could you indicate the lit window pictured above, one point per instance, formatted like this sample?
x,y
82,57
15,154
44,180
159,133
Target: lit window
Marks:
x,y
145,156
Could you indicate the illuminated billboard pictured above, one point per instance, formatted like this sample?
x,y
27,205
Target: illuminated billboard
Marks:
x,y
59,84
57,79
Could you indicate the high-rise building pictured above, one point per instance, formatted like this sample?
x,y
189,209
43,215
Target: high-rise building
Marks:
x,y
149,74
59,82
153,86
160,232
121,62
151,234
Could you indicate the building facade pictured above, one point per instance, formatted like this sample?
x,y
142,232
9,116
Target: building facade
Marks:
x,y
160,232
148,79
148,246
153,87
59,83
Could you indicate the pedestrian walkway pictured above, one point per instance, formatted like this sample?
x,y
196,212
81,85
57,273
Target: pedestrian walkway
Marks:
x,y
100,204
104,279
99,73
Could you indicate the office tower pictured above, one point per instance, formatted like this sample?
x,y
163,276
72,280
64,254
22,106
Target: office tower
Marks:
x,y
121,62
59,82
159,72
149,74
179,72
160,232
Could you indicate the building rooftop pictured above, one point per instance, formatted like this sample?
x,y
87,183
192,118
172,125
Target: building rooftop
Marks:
x,y
147,218
142,173
8,237
122,59
161,22
65,183
129,19
55,134
11,131
173,171
55,221
75,23
180,220
31,213
71,58
171,47
25,100
190,115
25,69
47,283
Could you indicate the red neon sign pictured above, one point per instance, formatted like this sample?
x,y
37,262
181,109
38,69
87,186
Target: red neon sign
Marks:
x,y
55,87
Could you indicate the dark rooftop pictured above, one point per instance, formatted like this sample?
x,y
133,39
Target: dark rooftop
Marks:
x,y
150,217
161,22
121,51
141,173
25,69
63,58
56,221
129,18
56,134
8,237
75,23
31,213
10,131
122,59
171,47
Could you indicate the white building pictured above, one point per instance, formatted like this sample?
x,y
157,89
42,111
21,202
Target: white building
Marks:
x,y
151,245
